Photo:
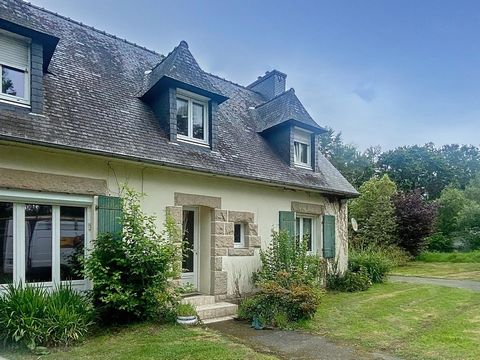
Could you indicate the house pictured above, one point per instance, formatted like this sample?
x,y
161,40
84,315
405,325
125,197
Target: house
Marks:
x,y
83,112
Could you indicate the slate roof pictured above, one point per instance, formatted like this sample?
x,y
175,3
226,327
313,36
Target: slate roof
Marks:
x,y
285,107
180,65
92,106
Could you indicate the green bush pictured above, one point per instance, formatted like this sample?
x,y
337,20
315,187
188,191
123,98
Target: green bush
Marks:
x,y
350,281
288,284
32,316
440,242
281,302
375,263
454,257
131,271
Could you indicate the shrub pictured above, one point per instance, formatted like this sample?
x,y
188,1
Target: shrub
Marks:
x,y
32,316
131,271
450,203
288,284
415,218
276,304
439,242
374,263
350,281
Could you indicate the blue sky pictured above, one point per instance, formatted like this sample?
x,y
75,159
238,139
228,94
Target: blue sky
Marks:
x,y
384,73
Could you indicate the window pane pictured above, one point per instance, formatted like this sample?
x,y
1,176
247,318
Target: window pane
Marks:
x,y
182,117
237,234
72,242
304,153
6,242
296,145
38,243
13,82
188,240
198,113
307,232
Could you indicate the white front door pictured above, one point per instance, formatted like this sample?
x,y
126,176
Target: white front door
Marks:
x,y
190,247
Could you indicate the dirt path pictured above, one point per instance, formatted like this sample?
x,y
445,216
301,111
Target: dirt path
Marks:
x,y
461,284
292,344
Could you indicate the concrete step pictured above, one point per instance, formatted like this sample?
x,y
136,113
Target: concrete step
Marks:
x,y
215,320
198,300
217,310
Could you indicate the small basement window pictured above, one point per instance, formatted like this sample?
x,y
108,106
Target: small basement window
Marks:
x,y
302,144
239,235
192,117
14,68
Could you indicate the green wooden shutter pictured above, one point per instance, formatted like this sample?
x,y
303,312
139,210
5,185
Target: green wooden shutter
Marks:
x,y
287,222
328,236
109,213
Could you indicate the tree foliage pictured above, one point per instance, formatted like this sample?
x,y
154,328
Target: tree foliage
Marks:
x,y
375,213
415,219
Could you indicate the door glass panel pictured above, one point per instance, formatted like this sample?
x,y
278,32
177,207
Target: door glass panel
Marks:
x,y
38,243
72,242
188,240
182,117
198,113
13,82
6,242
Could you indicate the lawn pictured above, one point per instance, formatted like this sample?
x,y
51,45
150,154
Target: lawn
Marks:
x,y
445,270
149,341
455,257
410,321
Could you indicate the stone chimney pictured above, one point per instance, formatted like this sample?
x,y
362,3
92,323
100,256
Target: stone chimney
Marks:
x,y
271,84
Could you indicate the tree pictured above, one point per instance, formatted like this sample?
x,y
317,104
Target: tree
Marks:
x,y
415,218
357,167
463,162
375,213
450,203
417,167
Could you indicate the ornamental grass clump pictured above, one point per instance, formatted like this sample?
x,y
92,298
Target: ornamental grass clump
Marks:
x,y
33,316
131,270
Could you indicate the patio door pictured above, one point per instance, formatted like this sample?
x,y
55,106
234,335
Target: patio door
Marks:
x,y
190,248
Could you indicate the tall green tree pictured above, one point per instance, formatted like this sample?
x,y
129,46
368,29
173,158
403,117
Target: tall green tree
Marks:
x,y
417,167
356,166
374,212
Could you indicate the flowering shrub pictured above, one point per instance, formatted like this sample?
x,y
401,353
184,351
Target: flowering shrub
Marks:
x,y
131,271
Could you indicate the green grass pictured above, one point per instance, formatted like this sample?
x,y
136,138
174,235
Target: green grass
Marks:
x,y
150,341
454,257
443,270
410,321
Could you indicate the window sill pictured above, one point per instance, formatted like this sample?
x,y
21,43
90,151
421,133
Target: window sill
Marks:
x,y
18,103
303,166
188,140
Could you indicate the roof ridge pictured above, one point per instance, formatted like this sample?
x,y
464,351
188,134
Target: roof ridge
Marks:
x,y
291,90
230,81
88,27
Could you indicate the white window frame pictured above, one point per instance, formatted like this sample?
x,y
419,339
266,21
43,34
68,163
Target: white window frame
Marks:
x,y
300,234
19,199
201,100
241,244
302,136
17,99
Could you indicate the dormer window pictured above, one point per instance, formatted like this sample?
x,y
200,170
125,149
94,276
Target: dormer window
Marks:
x,y
302,145
192,117
14,68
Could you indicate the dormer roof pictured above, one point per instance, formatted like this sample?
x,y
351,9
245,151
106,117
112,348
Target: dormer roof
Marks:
x,y
181,69
285,108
